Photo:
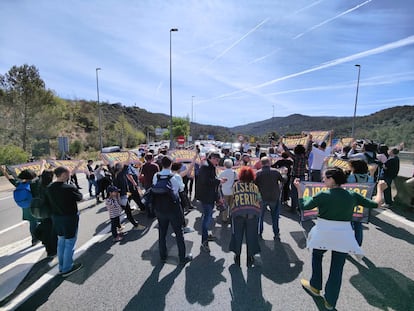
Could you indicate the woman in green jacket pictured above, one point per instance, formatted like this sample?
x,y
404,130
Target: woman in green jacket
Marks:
x,y
333,230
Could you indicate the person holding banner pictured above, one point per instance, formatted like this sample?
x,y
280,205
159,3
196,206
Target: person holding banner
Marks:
x,y
359,174
300,157
333,230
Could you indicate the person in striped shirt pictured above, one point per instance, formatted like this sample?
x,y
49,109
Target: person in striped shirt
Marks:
x,y
114,208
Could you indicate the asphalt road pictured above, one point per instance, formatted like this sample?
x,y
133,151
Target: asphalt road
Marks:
x,y
129,276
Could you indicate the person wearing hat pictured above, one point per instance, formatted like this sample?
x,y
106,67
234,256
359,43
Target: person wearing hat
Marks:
x,y
114,209
26,176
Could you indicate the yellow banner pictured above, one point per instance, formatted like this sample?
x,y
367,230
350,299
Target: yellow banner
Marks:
x,y
182,155
124,156
15,170
79,165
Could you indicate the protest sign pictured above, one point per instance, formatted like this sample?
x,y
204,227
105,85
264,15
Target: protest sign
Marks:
x,y
360,214
36,166
111,158
76,166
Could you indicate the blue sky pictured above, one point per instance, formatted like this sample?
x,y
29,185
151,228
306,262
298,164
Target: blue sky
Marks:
x,y
233,61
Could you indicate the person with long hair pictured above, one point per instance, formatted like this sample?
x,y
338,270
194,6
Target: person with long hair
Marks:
x,y
245,214
333,230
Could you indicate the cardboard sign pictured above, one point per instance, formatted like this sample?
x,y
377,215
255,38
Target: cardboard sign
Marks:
x,y
71,164
116,157
317,136
343,164
360,214
36,166
182,155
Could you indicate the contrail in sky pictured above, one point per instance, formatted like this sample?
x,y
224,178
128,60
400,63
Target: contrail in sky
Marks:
x,y
373,81
331,19
235,43
381,49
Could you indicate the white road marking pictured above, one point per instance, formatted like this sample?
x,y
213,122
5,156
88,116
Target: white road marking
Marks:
x,y
31,290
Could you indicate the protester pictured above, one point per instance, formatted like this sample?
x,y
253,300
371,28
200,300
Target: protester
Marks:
x,y
332,231
168,211
148,170
25,177
227,189
207,193
285,165
121,182
62,198
359,174
245,215
45,230
318,156
114,209
391,168
270,183
90,175
299,156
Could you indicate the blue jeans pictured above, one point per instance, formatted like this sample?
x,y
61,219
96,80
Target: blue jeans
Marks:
x,y
333,285
95,184
66,228
274,212
357,226
207,220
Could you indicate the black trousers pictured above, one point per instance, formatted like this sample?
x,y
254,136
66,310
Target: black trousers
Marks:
x,y
164,220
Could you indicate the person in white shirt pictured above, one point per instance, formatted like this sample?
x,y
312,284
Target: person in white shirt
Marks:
x,y
318,156
227,189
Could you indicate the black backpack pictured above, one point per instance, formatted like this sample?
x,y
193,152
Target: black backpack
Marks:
x,y
163,198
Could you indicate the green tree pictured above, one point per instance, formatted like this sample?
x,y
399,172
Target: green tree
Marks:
x,y
10,154
23,96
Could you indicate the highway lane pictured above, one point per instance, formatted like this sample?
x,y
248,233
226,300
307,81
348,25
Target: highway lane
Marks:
x,y
129,276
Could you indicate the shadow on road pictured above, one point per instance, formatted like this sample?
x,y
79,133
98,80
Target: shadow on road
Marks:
x,y
383,288
152,293
247,294
279,262
202,275
391,230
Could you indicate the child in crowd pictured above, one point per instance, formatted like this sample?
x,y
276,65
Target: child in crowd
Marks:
x,y
114,208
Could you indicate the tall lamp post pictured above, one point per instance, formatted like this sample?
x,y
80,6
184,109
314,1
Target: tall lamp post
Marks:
x,y
171,117
356,101
99,111
192,114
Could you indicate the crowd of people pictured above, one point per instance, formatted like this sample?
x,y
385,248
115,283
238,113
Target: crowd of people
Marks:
x,y
242,184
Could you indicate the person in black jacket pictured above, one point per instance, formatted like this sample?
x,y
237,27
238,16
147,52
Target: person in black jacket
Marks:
x,y
391,169
62,197
207,192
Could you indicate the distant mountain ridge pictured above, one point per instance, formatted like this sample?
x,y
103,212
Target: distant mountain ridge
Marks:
x,y
391,126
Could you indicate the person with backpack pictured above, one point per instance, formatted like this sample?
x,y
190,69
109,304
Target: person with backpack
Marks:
x,y
42,211
359,174
22,195
166,203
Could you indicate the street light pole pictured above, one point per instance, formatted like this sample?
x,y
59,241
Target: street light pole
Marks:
x,y
356,101
99,111
171,117
192,114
